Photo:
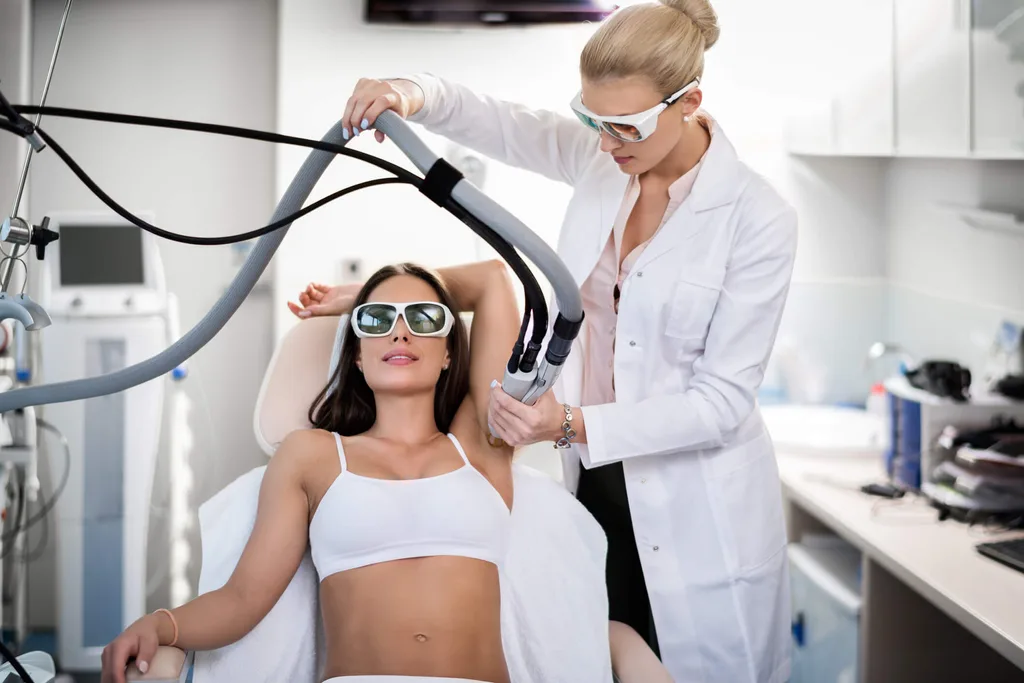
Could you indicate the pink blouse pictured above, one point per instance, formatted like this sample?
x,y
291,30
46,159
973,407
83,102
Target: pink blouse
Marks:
x,y
600,292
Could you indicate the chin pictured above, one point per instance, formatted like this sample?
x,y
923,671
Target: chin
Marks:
x,y
401,381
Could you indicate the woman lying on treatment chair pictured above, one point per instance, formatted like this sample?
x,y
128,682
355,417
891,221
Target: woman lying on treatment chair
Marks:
x,y
397,493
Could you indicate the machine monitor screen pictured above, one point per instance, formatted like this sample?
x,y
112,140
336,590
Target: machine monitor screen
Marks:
x,y
101,255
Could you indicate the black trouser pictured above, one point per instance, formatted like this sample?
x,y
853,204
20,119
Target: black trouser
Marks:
x,y
602,491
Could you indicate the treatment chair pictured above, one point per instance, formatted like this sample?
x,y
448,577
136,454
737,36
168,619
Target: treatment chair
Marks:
x,y
297,372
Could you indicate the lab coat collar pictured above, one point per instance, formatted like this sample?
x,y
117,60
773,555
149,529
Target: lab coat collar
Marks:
x,y
717,182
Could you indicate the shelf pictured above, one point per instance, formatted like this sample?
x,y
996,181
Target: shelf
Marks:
x,y
986,219
976,156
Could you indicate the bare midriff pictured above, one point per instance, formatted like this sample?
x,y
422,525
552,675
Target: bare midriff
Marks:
x,y
433,616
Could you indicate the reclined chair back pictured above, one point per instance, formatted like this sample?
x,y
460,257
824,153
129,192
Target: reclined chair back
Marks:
x,y
299,369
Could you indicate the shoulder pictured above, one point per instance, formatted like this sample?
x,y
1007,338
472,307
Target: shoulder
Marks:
x,y
763,216
305,452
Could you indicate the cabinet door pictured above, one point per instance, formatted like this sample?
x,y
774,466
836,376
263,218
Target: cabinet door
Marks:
x,y
997,71
933,100
865,115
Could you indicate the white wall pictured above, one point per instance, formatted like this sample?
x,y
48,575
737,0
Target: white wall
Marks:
x,y
190,59
951,284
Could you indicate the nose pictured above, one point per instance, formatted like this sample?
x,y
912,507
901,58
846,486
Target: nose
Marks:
x,y
608,143
401,331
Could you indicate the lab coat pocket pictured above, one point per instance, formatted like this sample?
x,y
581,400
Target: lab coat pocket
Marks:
x,y
746,490
692,305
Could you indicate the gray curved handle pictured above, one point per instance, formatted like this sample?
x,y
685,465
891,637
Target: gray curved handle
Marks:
x,y
567,292
40,318
10,308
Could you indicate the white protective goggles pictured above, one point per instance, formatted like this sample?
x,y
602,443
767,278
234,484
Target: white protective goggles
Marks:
x,y
631,128
422,318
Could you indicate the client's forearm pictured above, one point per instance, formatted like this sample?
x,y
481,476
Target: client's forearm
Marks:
x,y
211,621
468,283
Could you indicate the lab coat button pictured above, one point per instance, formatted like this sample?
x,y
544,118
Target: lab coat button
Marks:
x,y
639,273
632,343
643,481
655,548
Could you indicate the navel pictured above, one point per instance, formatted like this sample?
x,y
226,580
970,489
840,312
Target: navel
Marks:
x,y
422,637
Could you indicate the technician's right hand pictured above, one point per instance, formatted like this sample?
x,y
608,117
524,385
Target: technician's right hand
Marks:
x,y
372,97
139,642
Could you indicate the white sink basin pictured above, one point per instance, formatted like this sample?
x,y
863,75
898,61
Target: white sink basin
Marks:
x,y
825,430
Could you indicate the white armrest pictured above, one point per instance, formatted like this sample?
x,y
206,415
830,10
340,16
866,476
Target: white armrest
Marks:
x,y
168,666
633,661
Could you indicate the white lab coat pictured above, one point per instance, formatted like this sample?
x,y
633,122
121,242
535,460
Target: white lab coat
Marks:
x,y
697,320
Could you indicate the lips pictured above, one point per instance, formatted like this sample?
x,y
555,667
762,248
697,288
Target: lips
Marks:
x,y
400,357
622,160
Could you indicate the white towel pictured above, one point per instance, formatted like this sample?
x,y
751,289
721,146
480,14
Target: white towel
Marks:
x,y
554,611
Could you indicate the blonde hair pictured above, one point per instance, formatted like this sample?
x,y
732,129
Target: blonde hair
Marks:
x,y
663,41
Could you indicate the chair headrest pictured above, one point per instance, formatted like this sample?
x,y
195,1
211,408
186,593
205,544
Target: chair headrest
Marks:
x,y
301,365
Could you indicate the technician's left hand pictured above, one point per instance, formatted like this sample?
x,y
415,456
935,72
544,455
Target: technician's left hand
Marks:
x,y
518,424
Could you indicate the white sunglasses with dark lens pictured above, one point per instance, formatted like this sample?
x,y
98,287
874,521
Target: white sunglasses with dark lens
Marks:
x,y
631,128
422,318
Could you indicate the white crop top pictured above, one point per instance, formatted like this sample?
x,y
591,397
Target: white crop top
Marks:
x,y
364,520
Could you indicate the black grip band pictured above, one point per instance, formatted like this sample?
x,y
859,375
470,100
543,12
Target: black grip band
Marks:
x,y
439,182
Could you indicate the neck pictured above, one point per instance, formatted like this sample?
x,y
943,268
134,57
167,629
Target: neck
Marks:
x,y
406,419
693,143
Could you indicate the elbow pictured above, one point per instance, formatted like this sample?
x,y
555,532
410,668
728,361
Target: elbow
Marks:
x,y
727,406
247,610
499,275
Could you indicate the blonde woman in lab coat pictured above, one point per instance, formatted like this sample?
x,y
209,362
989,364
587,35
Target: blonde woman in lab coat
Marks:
x,y
684,257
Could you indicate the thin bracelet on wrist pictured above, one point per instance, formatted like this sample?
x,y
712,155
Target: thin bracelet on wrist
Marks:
x,y
568,433
174,623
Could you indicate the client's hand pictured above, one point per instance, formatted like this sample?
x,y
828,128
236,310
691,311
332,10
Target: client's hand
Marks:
x,y
372,97
318,299
139,641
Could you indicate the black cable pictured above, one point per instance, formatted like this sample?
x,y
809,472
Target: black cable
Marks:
x,y
202,241
535,304
214,129
18,668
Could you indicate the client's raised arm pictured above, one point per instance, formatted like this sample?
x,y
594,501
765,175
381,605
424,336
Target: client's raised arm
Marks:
x,y
268,563
486,290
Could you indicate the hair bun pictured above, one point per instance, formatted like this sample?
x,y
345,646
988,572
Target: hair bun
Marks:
x,y
702,14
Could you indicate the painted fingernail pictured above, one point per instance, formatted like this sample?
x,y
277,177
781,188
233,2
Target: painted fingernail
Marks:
x,y
494,383
304,314
344,133
143,667
365,124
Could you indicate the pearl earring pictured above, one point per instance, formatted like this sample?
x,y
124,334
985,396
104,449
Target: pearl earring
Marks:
x,y
686,119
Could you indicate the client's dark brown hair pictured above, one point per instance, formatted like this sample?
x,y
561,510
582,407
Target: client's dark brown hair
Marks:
x,y
349,407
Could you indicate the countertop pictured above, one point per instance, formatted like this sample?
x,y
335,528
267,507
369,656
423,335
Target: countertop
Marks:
x,y
936,559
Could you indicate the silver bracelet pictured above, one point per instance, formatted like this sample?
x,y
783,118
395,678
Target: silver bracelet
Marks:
x,y
570,433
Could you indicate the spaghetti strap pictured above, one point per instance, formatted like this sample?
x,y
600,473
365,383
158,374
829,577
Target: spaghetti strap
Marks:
x,y
341,452
458,447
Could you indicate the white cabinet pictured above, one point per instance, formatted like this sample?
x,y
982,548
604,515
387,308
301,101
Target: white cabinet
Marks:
x,y
997,73
848,106
933,77
864,110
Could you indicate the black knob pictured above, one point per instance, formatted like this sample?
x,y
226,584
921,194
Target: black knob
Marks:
x,y
42,236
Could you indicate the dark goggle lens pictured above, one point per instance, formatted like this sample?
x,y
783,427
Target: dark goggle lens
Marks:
x,y
376,319
424,318
586,120
623,131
